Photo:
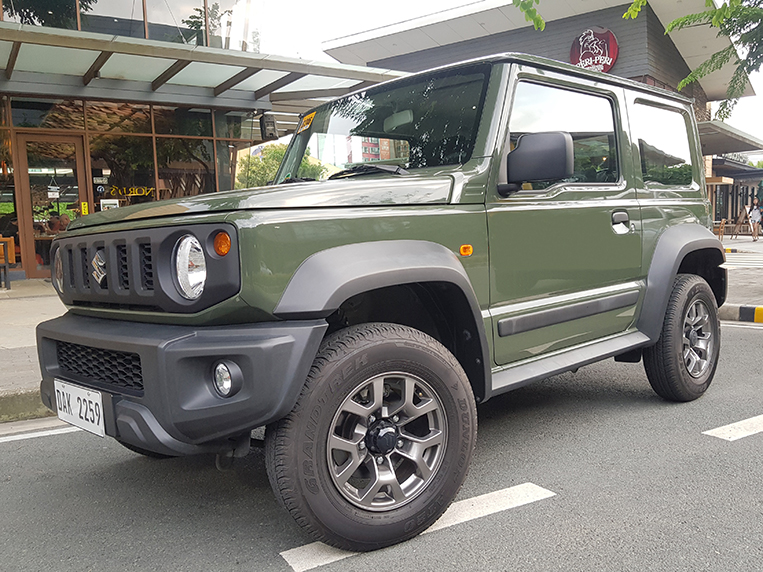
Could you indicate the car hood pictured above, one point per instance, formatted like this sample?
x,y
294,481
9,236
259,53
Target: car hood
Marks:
x,y
365,191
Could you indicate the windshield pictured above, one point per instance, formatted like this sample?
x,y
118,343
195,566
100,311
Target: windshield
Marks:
x,y
421,122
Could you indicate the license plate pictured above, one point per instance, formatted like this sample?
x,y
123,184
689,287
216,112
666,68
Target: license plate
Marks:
x,y
81,407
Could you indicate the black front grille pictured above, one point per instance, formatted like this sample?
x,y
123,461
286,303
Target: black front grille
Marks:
x,y
132,269
97,365
146,267
85,265
123,269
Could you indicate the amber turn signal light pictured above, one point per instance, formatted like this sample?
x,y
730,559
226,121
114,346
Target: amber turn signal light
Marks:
x,y
222,243
466,250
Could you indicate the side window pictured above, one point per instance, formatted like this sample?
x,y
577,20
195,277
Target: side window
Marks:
x,y
663,142
589,119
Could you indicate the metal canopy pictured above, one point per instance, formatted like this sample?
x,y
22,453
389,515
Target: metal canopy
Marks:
x,y
83,65
718,138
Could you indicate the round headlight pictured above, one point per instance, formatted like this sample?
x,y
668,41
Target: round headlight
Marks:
x,y
190,267
58,271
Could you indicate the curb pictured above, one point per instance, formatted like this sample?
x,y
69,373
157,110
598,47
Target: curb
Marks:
x,y
739,251
21,406
739,313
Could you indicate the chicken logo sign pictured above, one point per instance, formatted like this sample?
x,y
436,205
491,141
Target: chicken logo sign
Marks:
x,y
595,49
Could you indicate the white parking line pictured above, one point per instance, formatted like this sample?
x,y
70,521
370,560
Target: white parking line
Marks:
x,y
746,327
317,554
738,430
48,433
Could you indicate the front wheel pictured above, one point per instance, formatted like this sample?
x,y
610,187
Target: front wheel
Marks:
x,y
681,365
380,439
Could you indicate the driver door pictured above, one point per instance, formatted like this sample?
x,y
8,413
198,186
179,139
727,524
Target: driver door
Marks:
x,y
565,256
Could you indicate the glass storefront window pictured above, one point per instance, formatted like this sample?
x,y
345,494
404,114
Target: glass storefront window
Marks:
x,y
3,111
183,121
186,167
47,113
179,21
9,224
122,169
54,192
239,165
233,24
115,17
237,124
56,14
118,117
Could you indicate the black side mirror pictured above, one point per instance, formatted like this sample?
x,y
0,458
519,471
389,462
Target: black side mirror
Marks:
x,y
539,157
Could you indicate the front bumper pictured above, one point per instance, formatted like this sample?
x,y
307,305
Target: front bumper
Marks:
x,y
174,410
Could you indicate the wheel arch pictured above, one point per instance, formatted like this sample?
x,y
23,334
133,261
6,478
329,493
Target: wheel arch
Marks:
x,y
682,249
415,283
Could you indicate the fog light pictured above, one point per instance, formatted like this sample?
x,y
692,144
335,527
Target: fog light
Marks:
x,y
223,380
227,378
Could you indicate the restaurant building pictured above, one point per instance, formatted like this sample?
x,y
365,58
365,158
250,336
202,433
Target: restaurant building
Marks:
x,y
107,103
588,33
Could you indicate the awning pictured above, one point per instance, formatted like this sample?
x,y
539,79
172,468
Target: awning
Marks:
x,y
718,138
72,64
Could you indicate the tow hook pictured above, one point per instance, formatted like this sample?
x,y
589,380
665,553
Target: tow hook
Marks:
x,y
235,448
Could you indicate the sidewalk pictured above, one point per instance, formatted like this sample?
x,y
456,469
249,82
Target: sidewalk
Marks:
x,y
745,290
30,302
26,304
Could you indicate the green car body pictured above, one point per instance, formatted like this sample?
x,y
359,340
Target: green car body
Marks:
x,y
517,283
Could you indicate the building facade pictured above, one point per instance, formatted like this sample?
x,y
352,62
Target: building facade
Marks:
x,y
108,103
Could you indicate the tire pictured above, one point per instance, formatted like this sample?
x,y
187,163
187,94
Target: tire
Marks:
x,y
144,452
349,461
681,365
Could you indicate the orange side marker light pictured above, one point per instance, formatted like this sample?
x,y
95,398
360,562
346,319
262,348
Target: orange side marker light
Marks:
x,y
222,243
466,250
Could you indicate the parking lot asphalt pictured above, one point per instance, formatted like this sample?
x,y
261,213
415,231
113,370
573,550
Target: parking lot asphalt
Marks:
x,y
586,471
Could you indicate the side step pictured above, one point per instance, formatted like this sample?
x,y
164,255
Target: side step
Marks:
x,y
519,375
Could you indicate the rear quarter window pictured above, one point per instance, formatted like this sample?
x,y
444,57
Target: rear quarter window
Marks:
x,y
663,140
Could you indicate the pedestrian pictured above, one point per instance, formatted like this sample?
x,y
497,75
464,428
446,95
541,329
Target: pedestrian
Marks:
x,y
755,217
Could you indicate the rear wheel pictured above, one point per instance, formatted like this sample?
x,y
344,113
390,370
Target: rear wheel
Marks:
x,y
379,441
681,365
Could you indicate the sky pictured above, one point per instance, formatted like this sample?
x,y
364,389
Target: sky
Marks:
x,y
332,19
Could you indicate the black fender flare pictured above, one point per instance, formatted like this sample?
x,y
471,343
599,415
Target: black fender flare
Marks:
x,y
672,247
329,277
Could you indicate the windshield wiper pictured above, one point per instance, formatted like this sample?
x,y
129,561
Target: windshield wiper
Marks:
x,y
295,180
367,168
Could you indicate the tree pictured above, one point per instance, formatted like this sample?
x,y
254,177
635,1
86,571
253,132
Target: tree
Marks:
x,y
53,13
214,16
257,171
739,20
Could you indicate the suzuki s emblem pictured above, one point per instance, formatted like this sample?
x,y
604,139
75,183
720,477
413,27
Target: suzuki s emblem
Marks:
x,y
99,268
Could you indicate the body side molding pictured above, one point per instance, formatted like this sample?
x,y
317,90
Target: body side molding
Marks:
x,y
543,318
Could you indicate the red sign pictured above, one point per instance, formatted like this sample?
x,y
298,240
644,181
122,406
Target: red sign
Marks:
x,y
595,49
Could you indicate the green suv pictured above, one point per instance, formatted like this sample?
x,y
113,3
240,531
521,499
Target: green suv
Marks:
x,y
472,229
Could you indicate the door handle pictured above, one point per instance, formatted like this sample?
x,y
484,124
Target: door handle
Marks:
x,y
620,217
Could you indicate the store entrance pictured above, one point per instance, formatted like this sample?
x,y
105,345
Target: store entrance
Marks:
x,y
52,193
